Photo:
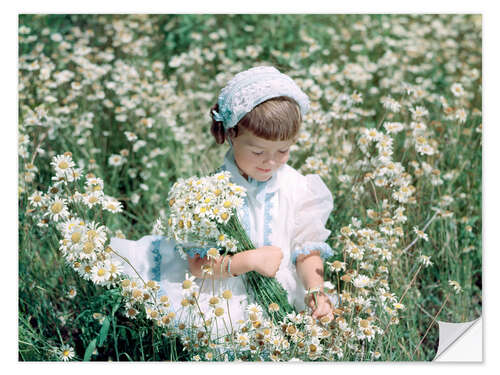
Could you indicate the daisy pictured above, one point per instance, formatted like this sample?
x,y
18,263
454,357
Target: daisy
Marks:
x,y
337,266
94,184
131,137
390,104
72,292
213,253
99,317
114,267
112,205
36,199
399,306
92,198
66,353
96,233
393,127
419,112
361,281
131,312
421,234
425,260
100,274
461,115
188,285
372,134
457,89
57,209
62,164
456,286
116,160
254,308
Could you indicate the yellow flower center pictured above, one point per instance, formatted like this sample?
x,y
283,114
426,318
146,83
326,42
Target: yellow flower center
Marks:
x,y
93,199
101,272
56,207
75,237
136,293
187,284
224,216
63,164
219,311
37,198
227,294
66,353
125,283
212,252
91,234
88,247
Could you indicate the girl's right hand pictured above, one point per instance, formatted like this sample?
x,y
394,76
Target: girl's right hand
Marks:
x,y
267,260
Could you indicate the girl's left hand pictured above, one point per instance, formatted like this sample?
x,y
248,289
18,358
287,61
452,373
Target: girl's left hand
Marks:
x,y
321,305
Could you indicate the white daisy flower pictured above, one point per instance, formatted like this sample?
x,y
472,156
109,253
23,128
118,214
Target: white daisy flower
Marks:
x,y
57,209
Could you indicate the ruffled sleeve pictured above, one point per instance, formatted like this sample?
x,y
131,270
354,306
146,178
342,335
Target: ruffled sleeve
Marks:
x,y
313,203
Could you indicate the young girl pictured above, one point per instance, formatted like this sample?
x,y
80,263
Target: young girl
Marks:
x,y
259,113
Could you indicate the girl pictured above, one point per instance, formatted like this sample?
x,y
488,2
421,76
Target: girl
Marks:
x,y
284,213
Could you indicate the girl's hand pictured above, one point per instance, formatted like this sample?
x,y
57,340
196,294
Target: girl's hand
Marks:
x,y
266,260
321,305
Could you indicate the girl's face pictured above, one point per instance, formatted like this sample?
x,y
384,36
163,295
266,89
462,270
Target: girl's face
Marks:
x,y
257,157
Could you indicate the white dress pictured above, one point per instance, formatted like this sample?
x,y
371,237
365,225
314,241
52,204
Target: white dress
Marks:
x,y
289,211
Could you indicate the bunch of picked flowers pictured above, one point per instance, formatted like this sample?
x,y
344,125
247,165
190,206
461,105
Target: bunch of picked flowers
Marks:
x,y
203,211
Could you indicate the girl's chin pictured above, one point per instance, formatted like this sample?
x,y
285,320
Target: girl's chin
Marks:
x,y
262,175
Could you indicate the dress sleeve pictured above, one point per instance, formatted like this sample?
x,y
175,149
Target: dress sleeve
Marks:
x,y
313,204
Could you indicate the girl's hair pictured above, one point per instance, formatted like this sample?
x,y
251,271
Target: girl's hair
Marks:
x,y
276,119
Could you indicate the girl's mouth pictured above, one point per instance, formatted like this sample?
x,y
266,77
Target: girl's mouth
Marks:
x,y
264,170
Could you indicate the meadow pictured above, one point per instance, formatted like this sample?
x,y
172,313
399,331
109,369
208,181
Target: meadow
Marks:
x,y
114,109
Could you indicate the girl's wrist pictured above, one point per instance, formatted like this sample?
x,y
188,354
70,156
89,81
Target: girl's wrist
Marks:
x,y
242,262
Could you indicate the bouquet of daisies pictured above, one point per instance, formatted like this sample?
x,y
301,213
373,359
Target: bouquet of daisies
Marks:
x,y
203,210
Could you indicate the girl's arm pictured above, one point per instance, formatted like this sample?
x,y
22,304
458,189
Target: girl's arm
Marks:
x,y
240,264
264,260
310,270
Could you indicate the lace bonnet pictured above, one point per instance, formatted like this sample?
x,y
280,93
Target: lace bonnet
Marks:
x,y
252,87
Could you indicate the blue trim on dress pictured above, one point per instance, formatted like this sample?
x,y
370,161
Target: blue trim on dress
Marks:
x,y
268,206
325,251
157,259
245,216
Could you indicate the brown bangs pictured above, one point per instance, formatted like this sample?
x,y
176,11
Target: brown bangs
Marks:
x,y
277,119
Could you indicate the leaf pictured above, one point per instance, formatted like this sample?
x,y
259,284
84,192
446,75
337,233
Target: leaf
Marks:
x,y
90,349
104,331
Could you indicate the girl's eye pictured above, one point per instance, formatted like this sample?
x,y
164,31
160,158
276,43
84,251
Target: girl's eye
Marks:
x,y
284,152
257,153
